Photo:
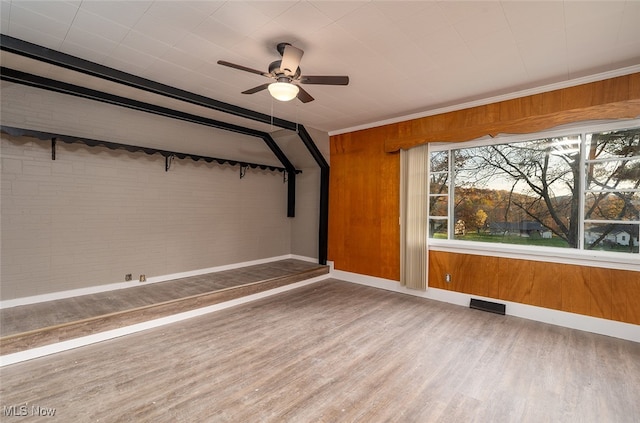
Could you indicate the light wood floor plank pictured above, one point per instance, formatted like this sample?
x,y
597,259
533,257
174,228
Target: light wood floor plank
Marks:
x,y
339,352
90,314
53,313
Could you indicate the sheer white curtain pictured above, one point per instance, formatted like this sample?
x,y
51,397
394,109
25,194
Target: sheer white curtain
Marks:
x,y
414,259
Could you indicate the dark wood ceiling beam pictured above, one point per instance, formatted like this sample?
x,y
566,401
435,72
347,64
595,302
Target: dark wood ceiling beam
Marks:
x,y
323,224
37,81
67,61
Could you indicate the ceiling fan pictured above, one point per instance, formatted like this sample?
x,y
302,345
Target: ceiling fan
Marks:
x,y
286,72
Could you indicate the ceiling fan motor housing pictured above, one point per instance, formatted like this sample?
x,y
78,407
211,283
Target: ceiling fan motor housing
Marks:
x,y
274,69
281,46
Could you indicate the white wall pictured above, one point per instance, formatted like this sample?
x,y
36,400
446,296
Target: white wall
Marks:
x,y
304,232
304,227
93,215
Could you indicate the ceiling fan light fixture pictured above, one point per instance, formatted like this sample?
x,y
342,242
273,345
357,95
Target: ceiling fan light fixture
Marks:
x,y
283,91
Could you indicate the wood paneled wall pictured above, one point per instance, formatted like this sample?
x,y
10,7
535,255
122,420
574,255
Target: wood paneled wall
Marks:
x,y
364,232
364,191
592,291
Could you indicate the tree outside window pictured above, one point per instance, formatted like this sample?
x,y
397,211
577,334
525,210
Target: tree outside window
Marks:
x,y
578,191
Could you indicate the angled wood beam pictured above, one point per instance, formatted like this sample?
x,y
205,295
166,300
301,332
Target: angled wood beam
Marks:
x,y
67,61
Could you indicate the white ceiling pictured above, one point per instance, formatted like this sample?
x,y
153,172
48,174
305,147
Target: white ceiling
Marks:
x,y
402,57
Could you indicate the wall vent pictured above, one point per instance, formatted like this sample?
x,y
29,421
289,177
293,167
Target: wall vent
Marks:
x,y
487,306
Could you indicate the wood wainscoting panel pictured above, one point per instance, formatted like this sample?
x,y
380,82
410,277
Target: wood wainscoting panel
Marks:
x,y
493,281
438,265
547,286
477,275
591,291
601,288
623,287
470,273
633,299
626,298
515,279
619,299
465,273
576,296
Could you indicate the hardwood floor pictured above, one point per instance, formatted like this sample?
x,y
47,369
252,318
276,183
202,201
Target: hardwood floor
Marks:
x,y
52,313
338,352
49,322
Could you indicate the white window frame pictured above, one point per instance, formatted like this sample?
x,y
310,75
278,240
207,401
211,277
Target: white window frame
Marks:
x,y
579,256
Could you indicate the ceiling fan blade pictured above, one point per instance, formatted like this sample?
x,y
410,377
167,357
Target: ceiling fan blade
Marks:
x,y
324,80
290,59
304,96
243,68
257,89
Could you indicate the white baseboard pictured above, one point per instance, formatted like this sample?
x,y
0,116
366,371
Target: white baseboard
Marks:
x,y
303,258
21,356
155,279
612,328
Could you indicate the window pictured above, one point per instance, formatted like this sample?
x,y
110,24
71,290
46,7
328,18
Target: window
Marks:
x,y
439,194
612,190
574,190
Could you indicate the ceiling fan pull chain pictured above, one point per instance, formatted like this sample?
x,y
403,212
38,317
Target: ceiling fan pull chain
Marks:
x,y
271,114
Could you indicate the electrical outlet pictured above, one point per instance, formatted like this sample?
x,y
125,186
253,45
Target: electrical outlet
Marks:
x,y
447,277
143,278
128,277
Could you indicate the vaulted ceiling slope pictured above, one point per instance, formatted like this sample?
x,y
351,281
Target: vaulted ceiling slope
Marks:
x,y
402,58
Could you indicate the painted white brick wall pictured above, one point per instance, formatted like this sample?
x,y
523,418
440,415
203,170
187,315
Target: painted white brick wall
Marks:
x,y
33,108
304,228
94,215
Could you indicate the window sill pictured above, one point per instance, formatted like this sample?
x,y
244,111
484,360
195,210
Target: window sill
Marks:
x,y
619,261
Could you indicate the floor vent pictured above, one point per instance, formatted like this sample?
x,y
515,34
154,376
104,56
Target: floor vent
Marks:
x,y
487,306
